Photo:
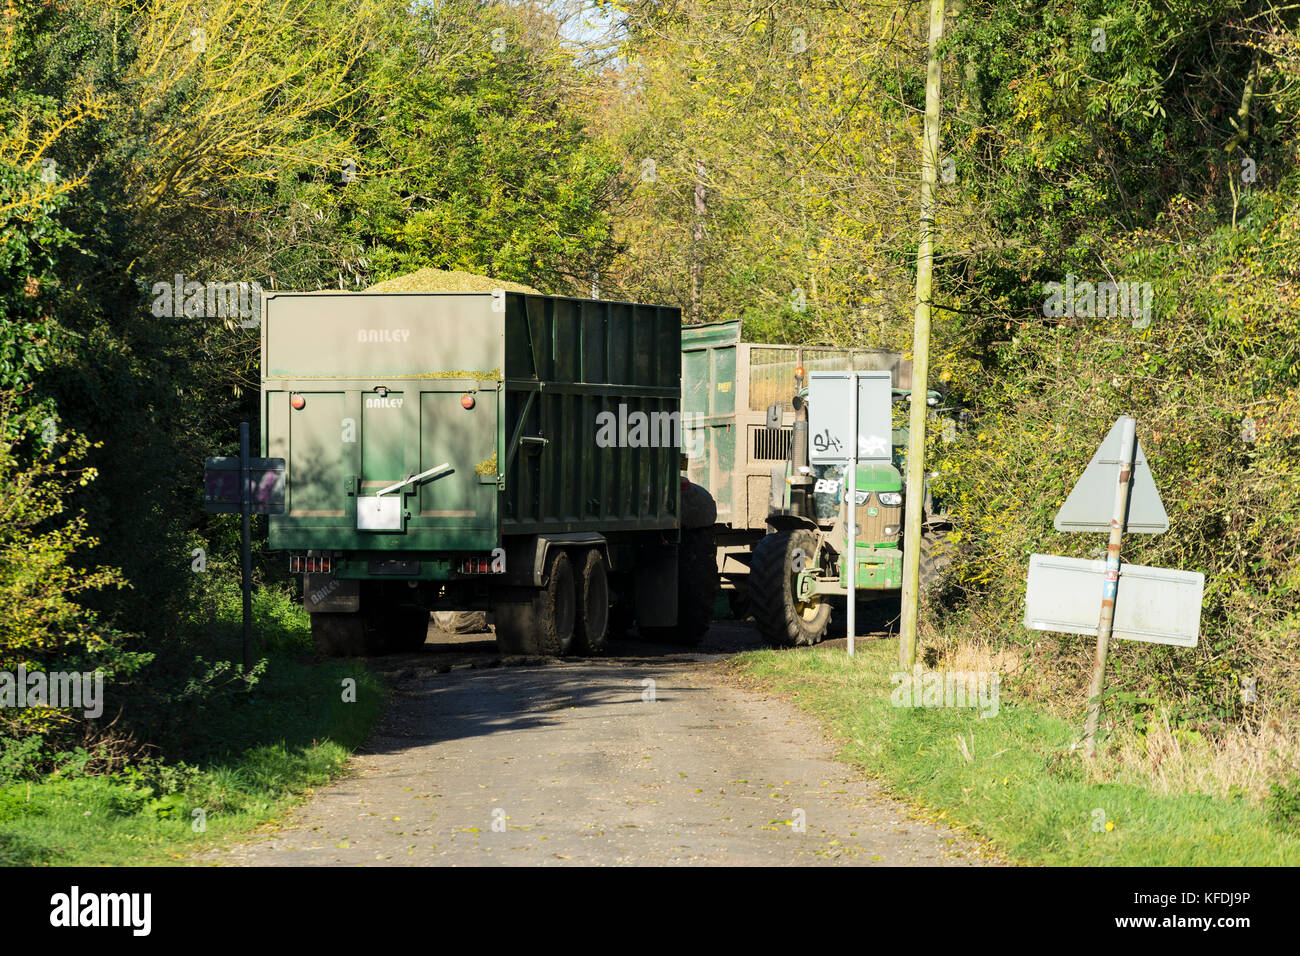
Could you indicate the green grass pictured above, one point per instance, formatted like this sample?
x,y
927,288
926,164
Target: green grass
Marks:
x,y
1024,789
301,733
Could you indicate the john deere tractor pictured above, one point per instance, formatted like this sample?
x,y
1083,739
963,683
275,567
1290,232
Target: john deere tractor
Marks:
x,y
800,564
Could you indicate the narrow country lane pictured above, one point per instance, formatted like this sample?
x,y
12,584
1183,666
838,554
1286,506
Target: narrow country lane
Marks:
x,y
572,763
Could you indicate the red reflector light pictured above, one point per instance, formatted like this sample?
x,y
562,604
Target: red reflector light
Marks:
x,y
311,565
298,402
467,401
798,372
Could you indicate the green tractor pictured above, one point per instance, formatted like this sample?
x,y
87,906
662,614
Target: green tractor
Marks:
x,y
799,565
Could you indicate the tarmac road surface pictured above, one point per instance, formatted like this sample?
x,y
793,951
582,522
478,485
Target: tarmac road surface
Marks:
x,y
647,756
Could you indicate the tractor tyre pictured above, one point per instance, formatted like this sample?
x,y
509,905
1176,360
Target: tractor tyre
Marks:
x,y
697,590
936,555
782,620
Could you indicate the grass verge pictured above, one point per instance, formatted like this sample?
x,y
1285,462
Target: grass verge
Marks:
x,y
301,733
1012,778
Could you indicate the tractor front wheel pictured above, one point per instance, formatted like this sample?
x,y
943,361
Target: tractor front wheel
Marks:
x,y
784,620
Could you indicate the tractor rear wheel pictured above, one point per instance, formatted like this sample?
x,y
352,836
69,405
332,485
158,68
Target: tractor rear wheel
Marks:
x,y
784,620
936,555
697,590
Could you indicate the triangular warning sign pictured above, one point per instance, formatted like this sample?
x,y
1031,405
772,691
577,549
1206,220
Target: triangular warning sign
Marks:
x,y
1092,501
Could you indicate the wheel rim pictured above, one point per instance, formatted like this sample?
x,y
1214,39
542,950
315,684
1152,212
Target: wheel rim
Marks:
x,y
808,610
805,610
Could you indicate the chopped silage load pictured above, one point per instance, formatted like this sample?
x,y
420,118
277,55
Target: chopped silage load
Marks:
x,y
445,280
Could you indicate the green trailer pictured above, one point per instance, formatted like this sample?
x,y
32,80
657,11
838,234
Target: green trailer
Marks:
x,y
729,388
497,451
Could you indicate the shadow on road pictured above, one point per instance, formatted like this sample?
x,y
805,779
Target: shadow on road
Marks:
x,y
458,686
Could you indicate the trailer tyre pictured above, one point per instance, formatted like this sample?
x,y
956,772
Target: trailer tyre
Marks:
x,y
591,629
697,589
540,620
782,619
697,585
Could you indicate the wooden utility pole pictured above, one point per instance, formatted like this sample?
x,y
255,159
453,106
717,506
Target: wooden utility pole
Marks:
x,y
915,499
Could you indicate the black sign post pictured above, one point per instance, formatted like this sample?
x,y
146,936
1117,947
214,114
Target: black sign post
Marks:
x,y
249,486
245,544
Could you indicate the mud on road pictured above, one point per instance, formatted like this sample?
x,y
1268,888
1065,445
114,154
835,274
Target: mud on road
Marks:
x,y
647,756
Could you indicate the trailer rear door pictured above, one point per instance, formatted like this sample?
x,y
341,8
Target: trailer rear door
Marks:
x,y
362,392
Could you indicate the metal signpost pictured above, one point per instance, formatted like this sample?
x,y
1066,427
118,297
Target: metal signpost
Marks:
x,y
248,486
851,513
1158,605
833,419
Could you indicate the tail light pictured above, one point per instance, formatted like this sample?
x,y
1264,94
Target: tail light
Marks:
x,y
475,565
299,564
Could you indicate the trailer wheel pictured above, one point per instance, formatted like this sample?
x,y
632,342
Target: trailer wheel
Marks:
x,y
540,620
697,589
592,624
782,619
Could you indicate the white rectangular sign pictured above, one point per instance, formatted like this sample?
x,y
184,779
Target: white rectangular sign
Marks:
x,y
829,413
1158,605
379,514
